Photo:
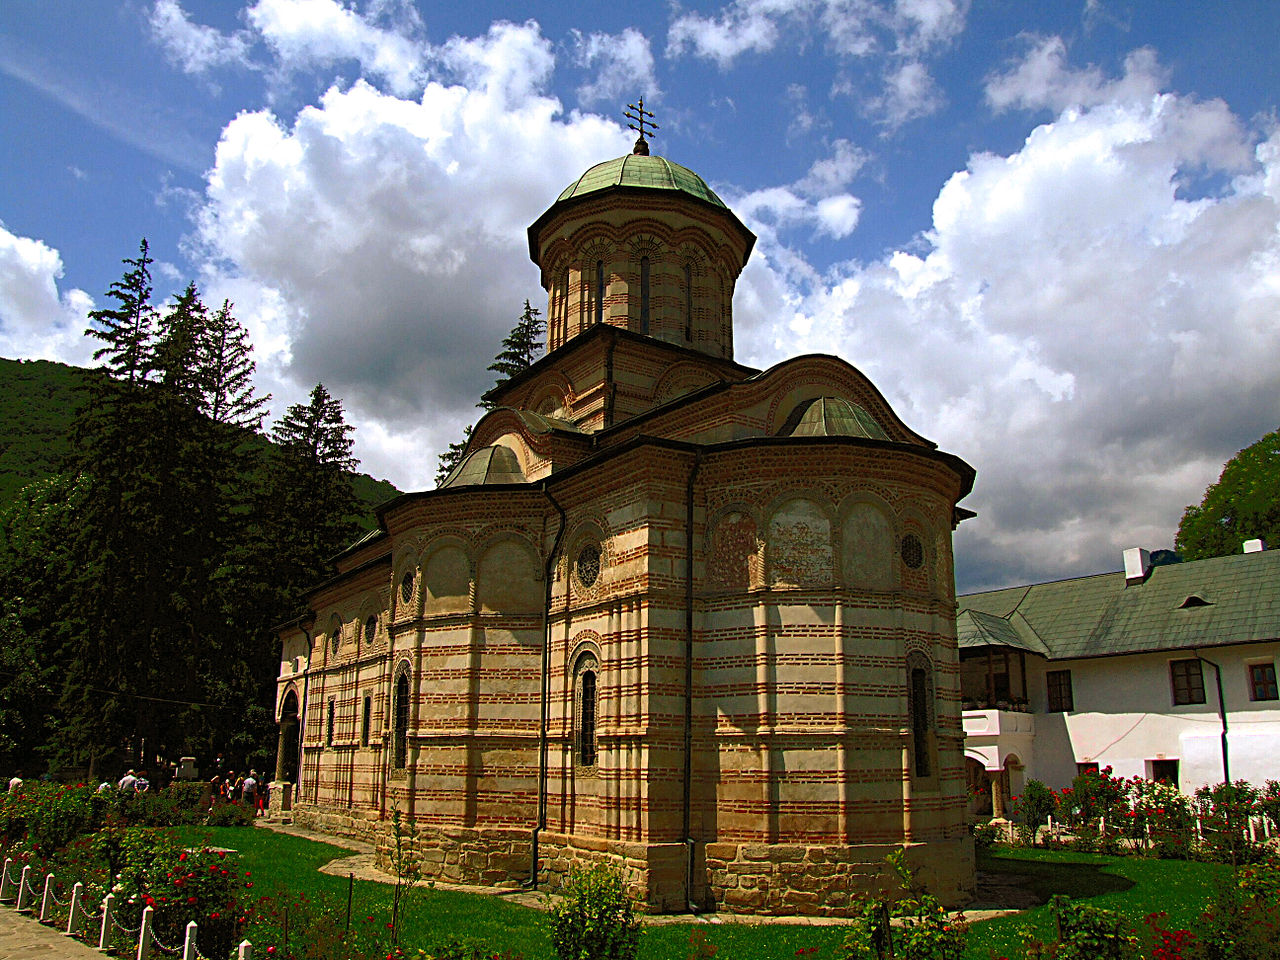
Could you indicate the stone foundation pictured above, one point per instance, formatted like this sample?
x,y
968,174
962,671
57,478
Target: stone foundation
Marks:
x,y
746,878
789,879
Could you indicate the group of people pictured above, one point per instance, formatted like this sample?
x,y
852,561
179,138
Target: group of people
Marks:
x,y
234,788
130,783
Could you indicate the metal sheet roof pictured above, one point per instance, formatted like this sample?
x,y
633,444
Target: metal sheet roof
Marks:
x,y
1238,601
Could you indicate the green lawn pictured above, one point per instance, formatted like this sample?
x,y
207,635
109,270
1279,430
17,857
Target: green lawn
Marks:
x,y
1131,885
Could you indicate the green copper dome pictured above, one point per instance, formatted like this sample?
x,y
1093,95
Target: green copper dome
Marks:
x,y
831,417
633,170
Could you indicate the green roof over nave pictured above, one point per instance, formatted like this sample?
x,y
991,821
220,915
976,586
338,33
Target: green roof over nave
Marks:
x,y
646,172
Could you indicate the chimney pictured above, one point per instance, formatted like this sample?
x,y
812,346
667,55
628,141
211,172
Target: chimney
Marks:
x,y
1254,546
1137,564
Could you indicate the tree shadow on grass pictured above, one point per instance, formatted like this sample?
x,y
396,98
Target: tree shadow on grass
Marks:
x,y
1009,881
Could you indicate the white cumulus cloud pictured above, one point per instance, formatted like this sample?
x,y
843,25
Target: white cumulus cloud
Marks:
x,y
37,321
194,47
620,64
1092,338
378,244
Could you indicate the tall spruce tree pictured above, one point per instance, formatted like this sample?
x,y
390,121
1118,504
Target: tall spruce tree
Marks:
x,y
521,348
310,500
127,330
228,367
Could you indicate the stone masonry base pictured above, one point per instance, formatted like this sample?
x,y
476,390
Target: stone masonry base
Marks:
x,y
745,878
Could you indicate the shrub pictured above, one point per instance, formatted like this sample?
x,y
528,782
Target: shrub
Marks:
x,y
1036,805
1237,925
985,835
594,921
1091,933
230,815
1225,810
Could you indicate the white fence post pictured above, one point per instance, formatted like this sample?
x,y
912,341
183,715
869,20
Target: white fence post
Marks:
x,y
189,945
144,934
5,881
108,914
46,900
24,887
76,893
246,951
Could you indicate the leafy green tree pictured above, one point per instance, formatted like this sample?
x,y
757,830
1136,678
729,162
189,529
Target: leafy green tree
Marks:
x,y
36,567
1243,505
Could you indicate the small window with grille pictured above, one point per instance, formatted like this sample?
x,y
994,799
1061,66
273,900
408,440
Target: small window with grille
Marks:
x,y
1187,679
1060,698
1262,681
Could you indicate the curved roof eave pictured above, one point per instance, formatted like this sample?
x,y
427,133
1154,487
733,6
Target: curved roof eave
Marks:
x,y
624,190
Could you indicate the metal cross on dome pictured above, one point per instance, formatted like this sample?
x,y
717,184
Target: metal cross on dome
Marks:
x,y
642,145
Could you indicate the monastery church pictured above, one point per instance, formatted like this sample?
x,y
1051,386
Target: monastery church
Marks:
x,y
672,613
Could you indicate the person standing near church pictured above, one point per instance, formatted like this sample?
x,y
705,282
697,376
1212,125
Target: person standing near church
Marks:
x,y
249,790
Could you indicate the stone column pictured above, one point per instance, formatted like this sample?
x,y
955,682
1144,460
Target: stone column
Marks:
x,y
997,796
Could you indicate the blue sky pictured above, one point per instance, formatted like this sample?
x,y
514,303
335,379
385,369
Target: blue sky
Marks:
x,y
1050,233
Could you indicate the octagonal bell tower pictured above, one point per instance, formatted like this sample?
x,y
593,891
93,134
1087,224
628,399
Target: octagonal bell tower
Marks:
x,y
643,244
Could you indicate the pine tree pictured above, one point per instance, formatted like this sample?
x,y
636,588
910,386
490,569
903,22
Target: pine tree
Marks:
x,y
128,329
520,350
452,456
521,347
310,503
228,368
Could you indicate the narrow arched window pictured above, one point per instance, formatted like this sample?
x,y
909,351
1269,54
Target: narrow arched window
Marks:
x,y
585,677
563,312
599,291
365,721
920,721
400,746
328,730
688,301
644,295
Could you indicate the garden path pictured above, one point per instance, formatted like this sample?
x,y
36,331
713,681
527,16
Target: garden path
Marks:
x,y
23,937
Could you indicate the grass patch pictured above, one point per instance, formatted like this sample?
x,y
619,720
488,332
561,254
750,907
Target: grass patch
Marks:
x,y
280,862
1131,885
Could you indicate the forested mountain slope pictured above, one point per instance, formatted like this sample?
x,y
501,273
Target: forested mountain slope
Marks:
x,y
38,402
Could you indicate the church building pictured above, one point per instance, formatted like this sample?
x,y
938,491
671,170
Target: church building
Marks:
x,y
669,613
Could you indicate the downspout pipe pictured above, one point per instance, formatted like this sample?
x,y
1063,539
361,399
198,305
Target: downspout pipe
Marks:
x,y
1222,715
544,705
687,798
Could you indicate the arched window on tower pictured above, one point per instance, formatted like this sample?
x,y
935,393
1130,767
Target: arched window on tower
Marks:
x,y
644,295
400,745
585,675
599,306
921,713
688,301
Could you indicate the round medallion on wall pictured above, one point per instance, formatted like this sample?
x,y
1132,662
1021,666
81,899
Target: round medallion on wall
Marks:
x,y
335,633
912,551
586,567
406,586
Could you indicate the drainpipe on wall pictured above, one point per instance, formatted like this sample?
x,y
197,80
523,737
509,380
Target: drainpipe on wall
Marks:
x,y
1222,715
687,828
544,705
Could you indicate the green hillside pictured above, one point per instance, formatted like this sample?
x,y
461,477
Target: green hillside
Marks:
x,y
38,402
